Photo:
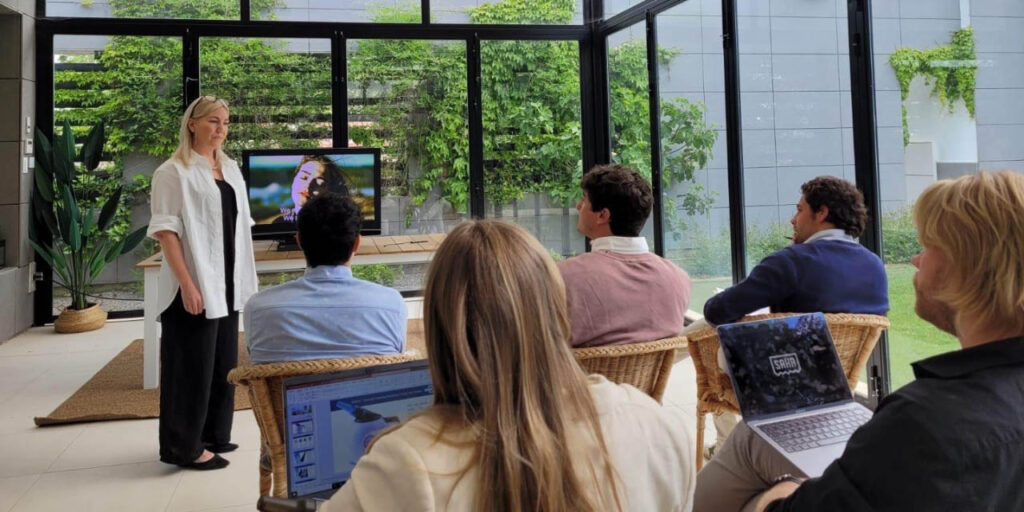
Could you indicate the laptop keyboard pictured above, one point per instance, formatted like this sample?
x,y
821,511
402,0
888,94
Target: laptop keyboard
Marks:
x,y
804,433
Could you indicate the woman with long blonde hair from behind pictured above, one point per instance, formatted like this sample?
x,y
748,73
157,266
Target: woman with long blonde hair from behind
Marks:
x,y
516,425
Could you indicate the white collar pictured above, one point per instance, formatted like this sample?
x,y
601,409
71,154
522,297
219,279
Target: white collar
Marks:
x,y
831,234
203,161
196,157
620,244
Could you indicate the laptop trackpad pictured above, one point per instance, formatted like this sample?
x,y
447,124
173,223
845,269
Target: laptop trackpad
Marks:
x,y
813,462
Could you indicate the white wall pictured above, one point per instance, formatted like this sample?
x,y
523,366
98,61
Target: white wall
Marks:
x,y
955,135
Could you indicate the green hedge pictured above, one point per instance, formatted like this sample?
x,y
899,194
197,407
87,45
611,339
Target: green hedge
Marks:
x,y
710,254
899,236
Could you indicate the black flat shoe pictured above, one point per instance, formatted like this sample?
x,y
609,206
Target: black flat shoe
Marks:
x,y
221,447
217,462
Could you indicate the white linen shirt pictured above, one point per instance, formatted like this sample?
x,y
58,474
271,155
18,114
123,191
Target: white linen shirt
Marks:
x,y
186,200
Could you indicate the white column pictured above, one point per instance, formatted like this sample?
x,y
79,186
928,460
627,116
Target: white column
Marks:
x,y
151,332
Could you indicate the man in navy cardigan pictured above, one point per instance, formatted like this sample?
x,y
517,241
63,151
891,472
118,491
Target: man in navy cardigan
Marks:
x,y
825,269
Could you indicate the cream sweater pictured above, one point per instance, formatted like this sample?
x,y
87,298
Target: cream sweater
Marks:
x,y
408,470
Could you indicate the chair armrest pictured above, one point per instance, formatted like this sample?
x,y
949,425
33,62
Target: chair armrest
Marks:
x,y
691,316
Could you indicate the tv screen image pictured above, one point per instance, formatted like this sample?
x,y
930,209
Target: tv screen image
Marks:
x,y
280,184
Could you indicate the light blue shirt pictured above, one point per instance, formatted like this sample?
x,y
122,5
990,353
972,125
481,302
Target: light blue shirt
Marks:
x,y
325,314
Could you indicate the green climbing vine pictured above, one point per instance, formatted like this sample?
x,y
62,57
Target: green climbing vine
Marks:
x,y
950,70
412,96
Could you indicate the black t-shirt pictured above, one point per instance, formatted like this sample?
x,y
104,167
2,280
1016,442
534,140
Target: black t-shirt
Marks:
x,y
953,439
230,213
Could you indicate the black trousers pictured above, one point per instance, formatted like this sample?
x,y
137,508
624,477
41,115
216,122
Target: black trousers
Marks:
x,y
197,404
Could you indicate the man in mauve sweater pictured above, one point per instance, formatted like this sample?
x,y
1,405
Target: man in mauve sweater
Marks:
x,y
825,269
620,292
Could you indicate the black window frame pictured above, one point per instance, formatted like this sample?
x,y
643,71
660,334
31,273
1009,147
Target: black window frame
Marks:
x,y
591,36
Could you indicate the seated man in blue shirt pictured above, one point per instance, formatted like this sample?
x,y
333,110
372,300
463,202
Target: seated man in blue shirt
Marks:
x,y
953,439
327,313
824,270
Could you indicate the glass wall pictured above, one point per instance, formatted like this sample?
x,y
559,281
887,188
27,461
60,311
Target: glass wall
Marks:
x,y
181,9
279,90
532,138
795,83
695,197
319,10
409,98
629,104
527,12
950,90
132,84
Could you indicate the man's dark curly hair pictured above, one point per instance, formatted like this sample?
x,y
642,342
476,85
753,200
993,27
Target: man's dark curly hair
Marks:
x,y
845,203
625,193
328,227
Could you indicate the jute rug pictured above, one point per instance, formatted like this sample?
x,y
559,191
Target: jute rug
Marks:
x,y
115,392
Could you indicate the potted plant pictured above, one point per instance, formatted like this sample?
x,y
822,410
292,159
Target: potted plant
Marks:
x,y
81,246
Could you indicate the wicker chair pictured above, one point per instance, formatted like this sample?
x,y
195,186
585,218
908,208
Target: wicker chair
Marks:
x,y
644,365
854,336
264,382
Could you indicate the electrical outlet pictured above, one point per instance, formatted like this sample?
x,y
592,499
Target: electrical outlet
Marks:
x,y
29,147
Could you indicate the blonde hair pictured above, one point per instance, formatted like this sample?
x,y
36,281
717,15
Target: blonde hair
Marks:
x,y
977,223
199,108
497,332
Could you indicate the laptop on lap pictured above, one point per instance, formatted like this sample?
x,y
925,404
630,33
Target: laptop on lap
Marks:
x,y
791,388
332,418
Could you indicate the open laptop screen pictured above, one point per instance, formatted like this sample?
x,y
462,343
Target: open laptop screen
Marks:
x,y
783,365
332,418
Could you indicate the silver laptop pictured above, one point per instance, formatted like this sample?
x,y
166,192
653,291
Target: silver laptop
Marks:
x,y
791,388
332,418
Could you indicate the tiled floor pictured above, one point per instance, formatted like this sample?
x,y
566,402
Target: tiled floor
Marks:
x,y
112,466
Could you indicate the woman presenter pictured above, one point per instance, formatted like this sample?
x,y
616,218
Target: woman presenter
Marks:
x,y
201,218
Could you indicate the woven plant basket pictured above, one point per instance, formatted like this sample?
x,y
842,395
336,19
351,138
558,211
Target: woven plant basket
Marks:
x,y
80,320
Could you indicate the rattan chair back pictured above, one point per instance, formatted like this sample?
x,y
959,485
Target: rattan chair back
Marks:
x,y
264,383
644,365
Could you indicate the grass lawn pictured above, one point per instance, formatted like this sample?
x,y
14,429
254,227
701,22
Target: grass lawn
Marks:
x,y
704,288
910,338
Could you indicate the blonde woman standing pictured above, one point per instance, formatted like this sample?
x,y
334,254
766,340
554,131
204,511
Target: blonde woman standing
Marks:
x,y
516,425
201,218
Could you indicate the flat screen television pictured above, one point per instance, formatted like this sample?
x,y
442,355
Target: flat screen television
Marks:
x,y
280,181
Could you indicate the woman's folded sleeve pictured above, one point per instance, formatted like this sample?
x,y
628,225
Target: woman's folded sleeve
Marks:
x,y
165,204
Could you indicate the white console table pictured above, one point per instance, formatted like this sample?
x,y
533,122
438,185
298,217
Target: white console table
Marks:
x,y
372,249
